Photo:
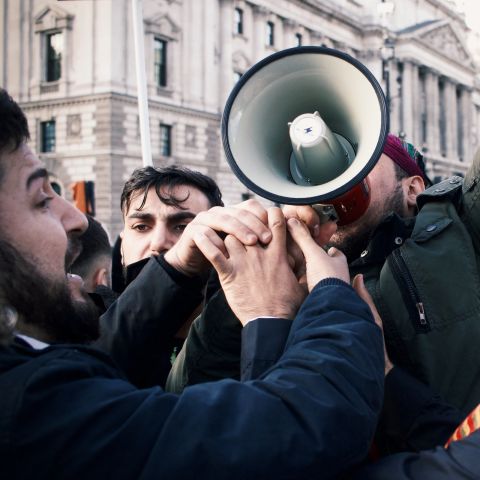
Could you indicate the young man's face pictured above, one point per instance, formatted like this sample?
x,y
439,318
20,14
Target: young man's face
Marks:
x,y
41,225
155,228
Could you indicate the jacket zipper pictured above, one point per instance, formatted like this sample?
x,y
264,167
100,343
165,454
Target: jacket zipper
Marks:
x,y
409,291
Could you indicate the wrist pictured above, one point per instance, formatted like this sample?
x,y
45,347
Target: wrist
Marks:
x,y
172,259
247,317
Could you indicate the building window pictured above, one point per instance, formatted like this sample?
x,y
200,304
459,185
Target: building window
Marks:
x,y
160,62
270,34
47,136
53,56
298,38
165,140
238,18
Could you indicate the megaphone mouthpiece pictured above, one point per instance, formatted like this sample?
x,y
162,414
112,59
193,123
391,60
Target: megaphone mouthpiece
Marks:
x,y
317,155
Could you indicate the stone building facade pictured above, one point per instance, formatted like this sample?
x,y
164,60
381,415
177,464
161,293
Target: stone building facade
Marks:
x,y
71,66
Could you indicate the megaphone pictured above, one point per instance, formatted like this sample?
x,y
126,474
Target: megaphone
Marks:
x,y
305,126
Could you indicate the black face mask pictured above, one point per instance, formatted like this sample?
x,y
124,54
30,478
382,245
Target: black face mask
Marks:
x,y
128,274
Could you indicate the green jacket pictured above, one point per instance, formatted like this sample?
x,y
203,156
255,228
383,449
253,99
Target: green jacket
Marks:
x,y
423,275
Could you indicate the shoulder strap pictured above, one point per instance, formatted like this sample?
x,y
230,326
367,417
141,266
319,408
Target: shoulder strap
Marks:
x,y
449,189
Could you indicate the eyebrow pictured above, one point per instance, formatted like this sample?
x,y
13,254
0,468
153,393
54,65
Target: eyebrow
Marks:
x,y
39,173
174,217
140,215
185,215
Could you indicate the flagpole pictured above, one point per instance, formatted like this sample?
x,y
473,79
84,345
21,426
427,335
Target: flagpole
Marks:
x,y
138,37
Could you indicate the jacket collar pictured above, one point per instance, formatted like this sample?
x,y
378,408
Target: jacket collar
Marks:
x,y
388,236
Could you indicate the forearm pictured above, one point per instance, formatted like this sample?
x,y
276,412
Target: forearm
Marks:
x,y
311,415
263,342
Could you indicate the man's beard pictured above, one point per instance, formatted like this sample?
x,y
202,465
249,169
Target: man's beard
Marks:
x,y
42,303
352,239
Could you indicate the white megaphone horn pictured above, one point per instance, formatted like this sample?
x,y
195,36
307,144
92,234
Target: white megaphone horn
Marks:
x,y
305,126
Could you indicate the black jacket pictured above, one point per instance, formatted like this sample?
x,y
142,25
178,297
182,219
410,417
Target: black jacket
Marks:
x,y
138,329
66,412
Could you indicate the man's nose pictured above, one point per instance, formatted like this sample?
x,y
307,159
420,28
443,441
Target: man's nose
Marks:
x,y
73,220
161,240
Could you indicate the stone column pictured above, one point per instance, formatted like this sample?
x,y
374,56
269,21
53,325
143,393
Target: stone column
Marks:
x,y
451,119
259,31
433,112
210,78
289,30
226,49
469,135
281,39
407,100
394,98
467,112
416,108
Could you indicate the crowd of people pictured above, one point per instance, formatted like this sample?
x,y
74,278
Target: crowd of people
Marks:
x,y
238,341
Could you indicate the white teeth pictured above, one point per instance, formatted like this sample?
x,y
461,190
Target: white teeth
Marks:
x,y
73,276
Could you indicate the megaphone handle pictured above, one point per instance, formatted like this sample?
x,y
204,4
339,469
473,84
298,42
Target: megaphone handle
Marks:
x,y
326,213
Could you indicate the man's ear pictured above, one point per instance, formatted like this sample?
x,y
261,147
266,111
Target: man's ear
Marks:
x,y
101,277
413,187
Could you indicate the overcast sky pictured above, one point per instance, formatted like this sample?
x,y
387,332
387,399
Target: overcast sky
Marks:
x,y
472,12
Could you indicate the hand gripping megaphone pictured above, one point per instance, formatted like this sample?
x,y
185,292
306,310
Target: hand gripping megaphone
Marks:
x,y
305,126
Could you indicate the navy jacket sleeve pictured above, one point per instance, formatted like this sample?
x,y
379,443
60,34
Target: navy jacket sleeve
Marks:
x,y
139,326
460,462
312,415
263,342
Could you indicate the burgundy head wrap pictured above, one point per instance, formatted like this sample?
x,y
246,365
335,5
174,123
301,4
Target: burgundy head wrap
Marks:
x,y
406,156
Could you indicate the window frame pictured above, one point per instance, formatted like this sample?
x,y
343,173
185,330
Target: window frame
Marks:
x,y
48,143
46,61
239,21
166,127
160,68
270,34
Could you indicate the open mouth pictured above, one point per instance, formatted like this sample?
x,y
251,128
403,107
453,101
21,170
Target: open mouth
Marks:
x,y
74,249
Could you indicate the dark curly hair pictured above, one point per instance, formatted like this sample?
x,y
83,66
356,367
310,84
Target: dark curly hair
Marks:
x,y
143,179
13,125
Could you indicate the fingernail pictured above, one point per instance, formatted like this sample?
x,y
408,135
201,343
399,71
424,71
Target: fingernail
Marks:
x,y
316,230
251,238
293,221
266,237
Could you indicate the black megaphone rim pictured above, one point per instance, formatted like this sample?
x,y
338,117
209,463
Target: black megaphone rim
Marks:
x,y
316,198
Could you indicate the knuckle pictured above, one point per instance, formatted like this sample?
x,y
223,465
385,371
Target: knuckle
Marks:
x,y
277,224
251,203
215,210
